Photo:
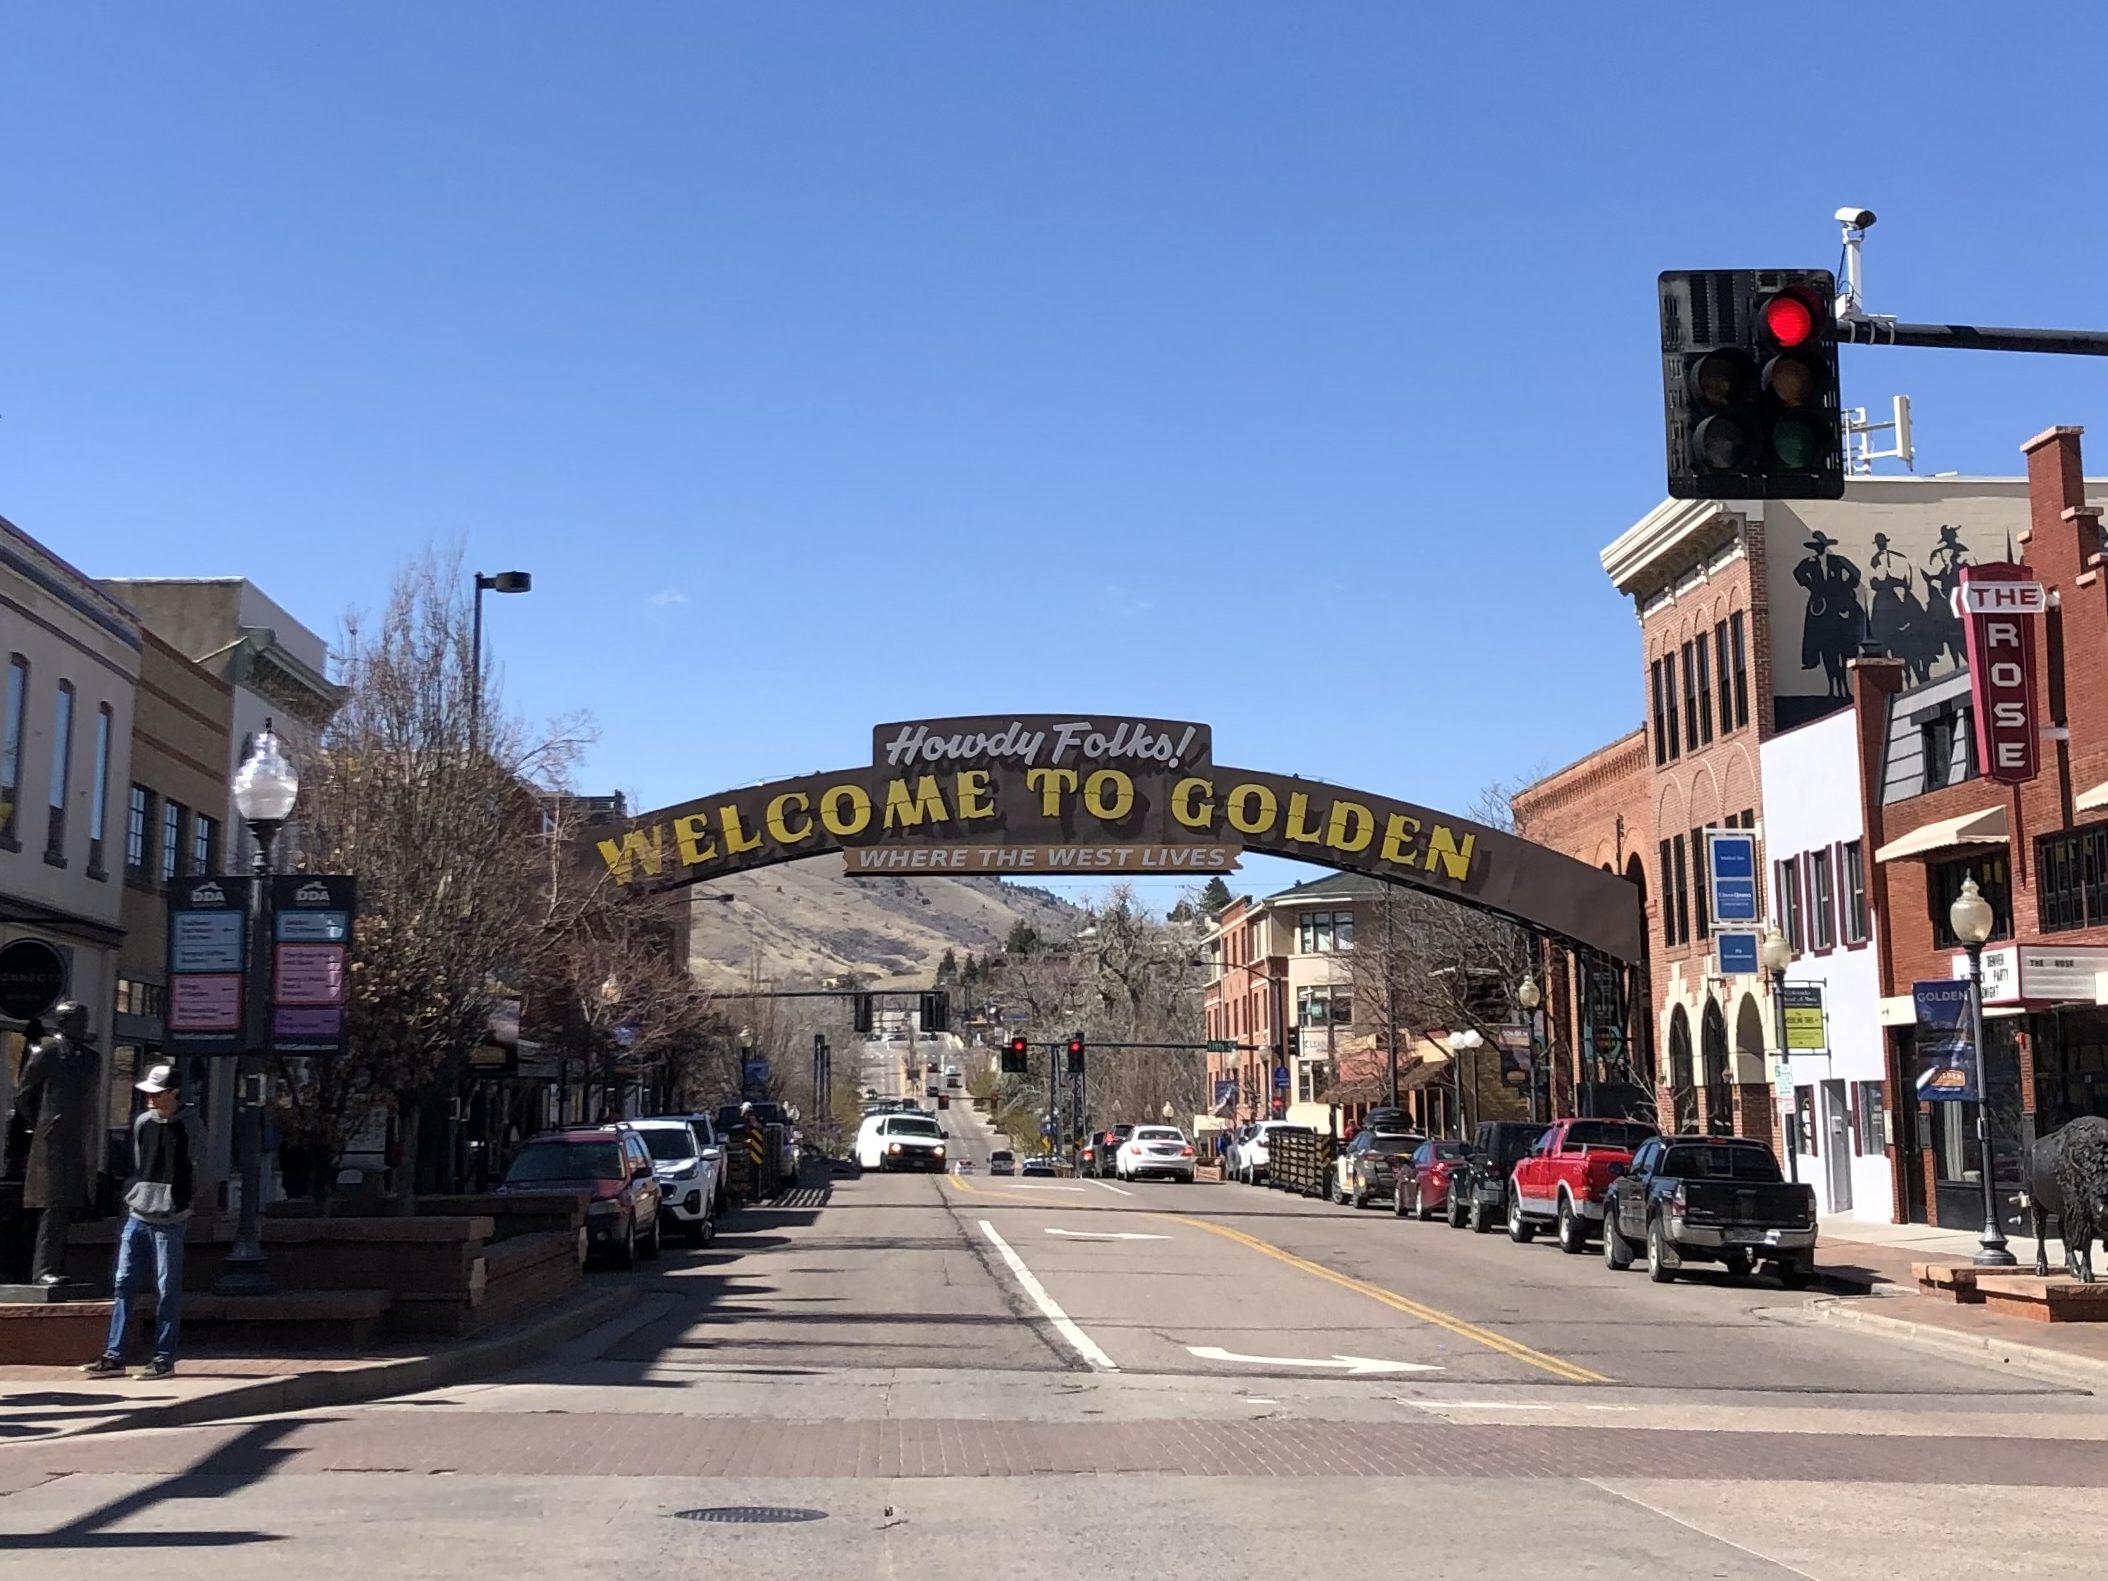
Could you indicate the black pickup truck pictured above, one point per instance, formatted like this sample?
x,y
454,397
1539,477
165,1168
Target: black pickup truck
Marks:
x,y
1709,1199
1478,1189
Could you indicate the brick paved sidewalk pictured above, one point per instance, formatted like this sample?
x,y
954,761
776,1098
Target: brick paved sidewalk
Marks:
x,y
38,1404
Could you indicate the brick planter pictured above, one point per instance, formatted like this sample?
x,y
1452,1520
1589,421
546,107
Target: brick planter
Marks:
x,y
52,1334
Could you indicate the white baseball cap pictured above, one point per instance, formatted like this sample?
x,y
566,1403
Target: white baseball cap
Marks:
x,y
159,1078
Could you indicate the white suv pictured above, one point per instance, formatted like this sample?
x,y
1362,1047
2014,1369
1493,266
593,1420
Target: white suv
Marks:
x,y
1251,1157
690,1168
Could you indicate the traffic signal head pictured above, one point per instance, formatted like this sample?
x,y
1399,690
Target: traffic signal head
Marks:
x,y
861,1012
1014,1057
1295,1042
936,1011
1750,394
1075,1053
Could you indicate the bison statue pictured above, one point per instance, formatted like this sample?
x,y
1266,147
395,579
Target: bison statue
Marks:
x,y
2066,1173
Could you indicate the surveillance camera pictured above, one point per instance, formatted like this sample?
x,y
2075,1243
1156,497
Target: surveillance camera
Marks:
x,y
1858,219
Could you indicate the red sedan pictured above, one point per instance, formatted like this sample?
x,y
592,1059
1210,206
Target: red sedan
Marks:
x,y
1423,1185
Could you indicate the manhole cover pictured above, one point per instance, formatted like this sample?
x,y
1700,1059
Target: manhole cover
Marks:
x,y
750,1515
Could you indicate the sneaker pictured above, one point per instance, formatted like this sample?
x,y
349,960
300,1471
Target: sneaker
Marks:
x,y
104,1367
159,1367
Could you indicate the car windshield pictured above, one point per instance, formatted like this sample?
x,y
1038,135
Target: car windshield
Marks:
x,y
903,1125
566,1161
1158,1133
1721,1163
1001,1154
1606,1133
1449,1150
1395,1141
669,1143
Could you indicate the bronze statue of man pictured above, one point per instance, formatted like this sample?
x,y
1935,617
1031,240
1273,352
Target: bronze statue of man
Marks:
x,y
59,1079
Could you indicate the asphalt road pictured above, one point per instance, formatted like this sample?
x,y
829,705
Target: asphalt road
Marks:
x,y
980,1377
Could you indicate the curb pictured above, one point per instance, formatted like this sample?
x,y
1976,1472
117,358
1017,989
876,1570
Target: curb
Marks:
x,y
307,1391
2055,1366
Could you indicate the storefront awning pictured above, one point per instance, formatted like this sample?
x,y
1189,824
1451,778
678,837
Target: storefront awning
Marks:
x,y
1976,828
2092,800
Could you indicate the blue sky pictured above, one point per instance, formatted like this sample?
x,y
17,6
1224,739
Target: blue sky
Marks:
x,y
1279,366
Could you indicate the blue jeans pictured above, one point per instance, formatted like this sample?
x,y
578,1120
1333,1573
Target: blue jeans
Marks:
x,y
141,1243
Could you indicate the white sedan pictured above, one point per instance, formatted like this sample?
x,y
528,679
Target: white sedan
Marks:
x,y
1155,1150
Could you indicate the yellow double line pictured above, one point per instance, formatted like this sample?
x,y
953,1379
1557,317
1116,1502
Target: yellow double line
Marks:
x,y
1426,1314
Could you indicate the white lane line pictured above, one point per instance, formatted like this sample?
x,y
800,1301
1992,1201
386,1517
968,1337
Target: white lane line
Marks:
x,y
1106,1235
1080,1342
1109,1186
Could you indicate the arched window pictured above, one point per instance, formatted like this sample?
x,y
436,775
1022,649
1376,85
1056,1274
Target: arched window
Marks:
x,y
1683,1096
1719,1089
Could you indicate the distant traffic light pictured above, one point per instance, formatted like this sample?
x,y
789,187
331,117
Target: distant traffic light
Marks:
x,y
936,1011
1015,1062
1075,1053
861,1012
1751,403
1295,1042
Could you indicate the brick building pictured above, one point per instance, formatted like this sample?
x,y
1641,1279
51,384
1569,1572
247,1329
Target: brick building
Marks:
x,y
2038,851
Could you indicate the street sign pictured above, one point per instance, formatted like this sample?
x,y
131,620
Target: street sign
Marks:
x,y
1782,1082
311,961
207,961
1731,871
1280,1078
1738,954
32,976
1946,1043
1221,1046
1807,1031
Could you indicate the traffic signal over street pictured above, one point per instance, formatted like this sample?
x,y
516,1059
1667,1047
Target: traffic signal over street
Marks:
x,y
1750,393
1015,1062
1075,1053
936,1012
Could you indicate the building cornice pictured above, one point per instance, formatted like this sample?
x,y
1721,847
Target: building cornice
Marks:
x,y
1666,542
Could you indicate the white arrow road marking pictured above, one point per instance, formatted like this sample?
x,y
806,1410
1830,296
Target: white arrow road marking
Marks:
x,y
1105,1235
1353,1366
1033,1185
1083,1344
1109,1186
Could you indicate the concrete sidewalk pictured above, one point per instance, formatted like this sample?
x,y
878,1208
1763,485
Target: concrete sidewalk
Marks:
x,y
39,1404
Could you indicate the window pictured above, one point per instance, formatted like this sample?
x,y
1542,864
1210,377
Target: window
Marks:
x,y
1333,1002
99,792
1948,743
1994,881
1868,1138
11,759
135,998
1322,932
1739,648
1727,700
139,810
1312,1077
1705,690
171,839
1683,892
204,845
1661,714
1665,884
1701,902
1855,924
61,775
2071,879
1790,903
1669,679
1822,896
1690,699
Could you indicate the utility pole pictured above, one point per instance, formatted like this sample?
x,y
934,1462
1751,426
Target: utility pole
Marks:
x,y
1390,990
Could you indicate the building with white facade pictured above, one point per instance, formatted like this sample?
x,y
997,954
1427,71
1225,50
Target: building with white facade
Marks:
x,y
72,654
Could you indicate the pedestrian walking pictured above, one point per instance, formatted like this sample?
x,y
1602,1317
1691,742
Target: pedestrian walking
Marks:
x,y
168,1152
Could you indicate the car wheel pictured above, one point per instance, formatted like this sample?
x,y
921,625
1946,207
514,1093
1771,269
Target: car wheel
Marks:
x,y
657,1244
1573,1229
1480,1224
1398,1200
1658,1268
1420,1209
1358,1198
1793,1273
1737,1264
698,1229
1456,1210
1617,1251
1520,1230
626,1255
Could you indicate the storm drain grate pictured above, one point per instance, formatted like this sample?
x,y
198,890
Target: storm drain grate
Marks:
x,y
750,1515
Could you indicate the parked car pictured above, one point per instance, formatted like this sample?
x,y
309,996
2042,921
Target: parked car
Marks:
x,y
1562,1181
1251,1158
1002,1162
1710,1199
1478,1182
1155,1150
611,1166
1423,1181
887,1142
1039,1164
1368,1166
1107,1154
688,1173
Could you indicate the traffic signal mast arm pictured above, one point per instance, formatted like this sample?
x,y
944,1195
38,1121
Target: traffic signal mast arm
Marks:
x,y
1863,331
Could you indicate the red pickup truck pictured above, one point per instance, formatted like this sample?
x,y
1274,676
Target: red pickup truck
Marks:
x,y
1563,1181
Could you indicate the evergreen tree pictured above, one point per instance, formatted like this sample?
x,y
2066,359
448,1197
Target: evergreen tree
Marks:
x,y
1214,895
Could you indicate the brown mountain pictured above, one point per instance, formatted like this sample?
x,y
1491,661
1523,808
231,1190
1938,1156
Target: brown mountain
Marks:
x,y
806,921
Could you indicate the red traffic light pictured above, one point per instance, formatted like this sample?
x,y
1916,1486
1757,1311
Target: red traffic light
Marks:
x,y
1075,1045
1789,318
1017,1045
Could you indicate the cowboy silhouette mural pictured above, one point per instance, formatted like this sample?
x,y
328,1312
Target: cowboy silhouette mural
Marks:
x,y
1835,622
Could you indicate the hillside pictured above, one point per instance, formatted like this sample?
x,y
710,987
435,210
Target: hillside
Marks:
x,y
807,920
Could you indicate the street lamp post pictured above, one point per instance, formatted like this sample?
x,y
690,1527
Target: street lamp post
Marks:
x,y
503,582
1529,996
1972,920
266,786
1775,954
1461,1043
